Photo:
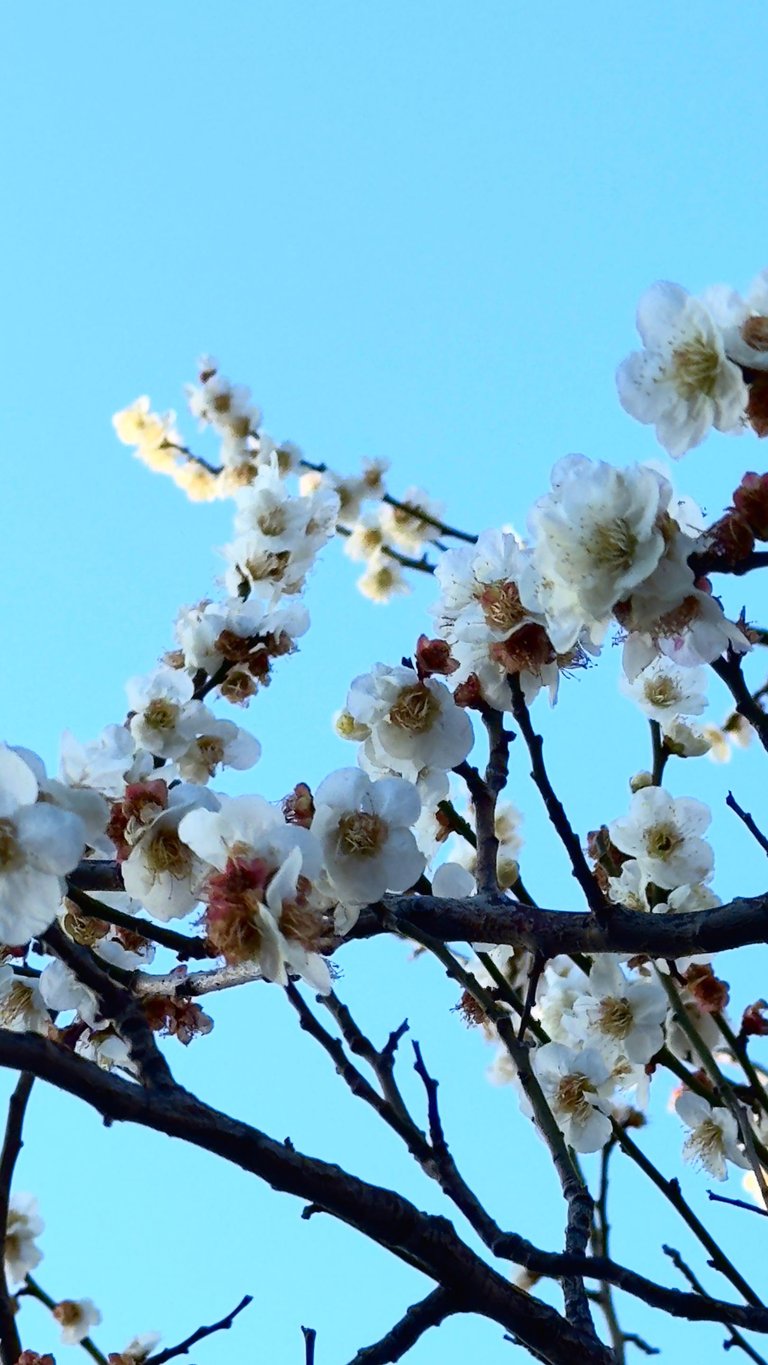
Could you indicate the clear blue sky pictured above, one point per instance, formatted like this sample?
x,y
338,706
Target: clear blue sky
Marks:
x,y
419,232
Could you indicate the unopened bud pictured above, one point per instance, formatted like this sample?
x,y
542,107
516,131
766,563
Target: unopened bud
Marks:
x,y
754,1021
641,780
347,727
434,656
710,993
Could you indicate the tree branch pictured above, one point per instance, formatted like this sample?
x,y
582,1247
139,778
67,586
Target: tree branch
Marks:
x,y
184,1346
422,1240
429,1312
10,1344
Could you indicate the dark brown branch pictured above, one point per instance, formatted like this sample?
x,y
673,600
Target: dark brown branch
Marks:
x,y
422,1240
747,820
714,561
10,1345
117,1003
184,1346
490,919
183,945
555,810
736,1339
310,1337
737,1203
728,668
429,1312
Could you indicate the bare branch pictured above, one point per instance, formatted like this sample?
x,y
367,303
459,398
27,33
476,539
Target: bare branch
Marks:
x,y
429,1312
560,822
747,819
10,1345
184,1346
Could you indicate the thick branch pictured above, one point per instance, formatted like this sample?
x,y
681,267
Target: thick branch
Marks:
x,y
424,1241
10,1345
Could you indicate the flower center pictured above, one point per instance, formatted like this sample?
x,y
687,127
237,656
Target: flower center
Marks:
x,y
662,691
273,523
695,368
501,606
161,714
11,855
707,1139
361,834
615,1017
211,751
166,853
572,1094
415,709
661,840
613,544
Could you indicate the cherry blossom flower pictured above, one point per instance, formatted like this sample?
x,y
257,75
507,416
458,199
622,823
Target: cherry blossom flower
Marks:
x,y
104,764
663,833
670,614
161,870
23,1226
22,1006
620,1015
491,632
713,1140
596,536
663,690
682,382
165,717
406,529
576,1086
76,1317
39,843
413,724
261,899
364,829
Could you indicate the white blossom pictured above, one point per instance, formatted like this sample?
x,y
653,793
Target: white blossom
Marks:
x,y
39,843
490,631
620,1015
682,381
713,1139
165,717
23,1226
596,536
663,833
576,1086
364,829
663,691
413,724
76,1317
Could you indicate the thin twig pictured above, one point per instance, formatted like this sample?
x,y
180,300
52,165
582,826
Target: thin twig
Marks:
x,y
660,753
33,1290
737,1203
429,1312
747,819
736,1339
728,668
555,810
183,945
184,1346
